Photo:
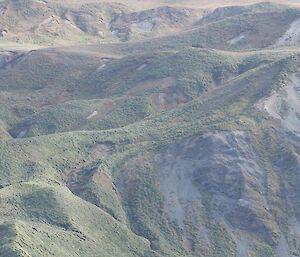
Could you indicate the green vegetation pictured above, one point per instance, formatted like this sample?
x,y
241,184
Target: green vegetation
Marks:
x,y
82,129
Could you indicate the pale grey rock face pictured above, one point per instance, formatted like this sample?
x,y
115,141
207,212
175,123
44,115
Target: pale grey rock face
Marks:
x,y
285,105
236,40
291,36
220,163
126,25
227,166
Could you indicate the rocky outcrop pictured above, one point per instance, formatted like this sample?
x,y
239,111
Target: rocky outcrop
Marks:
x,y
217,179
285,105
291,36
128,25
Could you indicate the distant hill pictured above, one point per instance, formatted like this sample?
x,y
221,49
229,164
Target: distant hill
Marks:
x,y
50,24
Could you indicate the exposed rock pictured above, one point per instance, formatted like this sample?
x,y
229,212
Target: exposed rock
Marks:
x,y
238,38
127,25
3,32
101,150
93,114
226,166
285,105
291,36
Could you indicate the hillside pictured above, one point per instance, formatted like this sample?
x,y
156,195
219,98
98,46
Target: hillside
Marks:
x,y
168,128
50,23
32,24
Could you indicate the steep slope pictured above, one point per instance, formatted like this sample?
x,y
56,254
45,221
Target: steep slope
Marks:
x,y
285,106
291,36
183,145
122,172
256,29
48,23
237,27
44,221
43,23
142,86
154,22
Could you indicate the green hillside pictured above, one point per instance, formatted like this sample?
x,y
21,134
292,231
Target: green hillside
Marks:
x,y
184,141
